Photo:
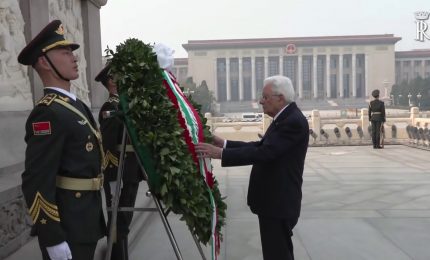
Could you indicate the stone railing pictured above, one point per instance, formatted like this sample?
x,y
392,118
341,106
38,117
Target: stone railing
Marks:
x,y
333,129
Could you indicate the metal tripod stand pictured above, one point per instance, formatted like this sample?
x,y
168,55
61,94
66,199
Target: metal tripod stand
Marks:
x,y
162,212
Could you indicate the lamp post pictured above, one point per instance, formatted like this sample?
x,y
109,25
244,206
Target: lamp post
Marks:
x,y
385,83
409,97
393,103
419,99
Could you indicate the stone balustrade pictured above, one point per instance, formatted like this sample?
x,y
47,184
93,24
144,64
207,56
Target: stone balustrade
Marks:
x,y
327,129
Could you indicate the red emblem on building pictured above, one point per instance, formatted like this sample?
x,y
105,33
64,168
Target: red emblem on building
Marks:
x,y
290,49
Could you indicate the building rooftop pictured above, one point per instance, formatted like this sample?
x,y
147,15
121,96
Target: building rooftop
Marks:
x,y
298,41
419,53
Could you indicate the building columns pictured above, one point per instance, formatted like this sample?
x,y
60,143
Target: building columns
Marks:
x,y
266,66
299,76
314,73
354,72
216,78
341,94
240,80
227,77
253,85
327,70
366,74
281,65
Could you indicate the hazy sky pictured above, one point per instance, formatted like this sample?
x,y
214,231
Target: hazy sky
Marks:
x,y
175,22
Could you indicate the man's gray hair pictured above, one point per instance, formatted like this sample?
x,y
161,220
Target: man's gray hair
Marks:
x,y
281,85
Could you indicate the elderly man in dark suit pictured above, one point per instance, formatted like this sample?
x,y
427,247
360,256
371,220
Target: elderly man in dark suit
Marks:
x,y
275,185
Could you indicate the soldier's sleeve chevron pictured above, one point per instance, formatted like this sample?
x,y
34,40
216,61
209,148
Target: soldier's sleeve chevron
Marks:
x,y
39,203
110,158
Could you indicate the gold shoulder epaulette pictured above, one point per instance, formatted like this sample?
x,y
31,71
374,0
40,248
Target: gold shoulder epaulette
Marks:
x,y
113,100
65,99
47,99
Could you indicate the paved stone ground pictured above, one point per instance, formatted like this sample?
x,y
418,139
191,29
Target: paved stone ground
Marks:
x,y
358,203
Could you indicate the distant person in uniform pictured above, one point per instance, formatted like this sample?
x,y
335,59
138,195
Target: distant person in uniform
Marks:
x,y
63,161
377,119
112,130
275,184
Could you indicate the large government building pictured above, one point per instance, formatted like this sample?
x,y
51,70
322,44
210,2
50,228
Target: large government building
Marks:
x,y
330,67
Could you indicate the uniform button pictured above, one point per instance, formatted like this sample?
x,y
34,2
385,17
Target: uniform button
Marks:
x,y
78,195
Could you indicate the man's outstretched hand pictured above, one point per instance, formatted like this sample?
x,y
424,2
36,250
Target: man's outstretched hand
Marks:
x,y
205,150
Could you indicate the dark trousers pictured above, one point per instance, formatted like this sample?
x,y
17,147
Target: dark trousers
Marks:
x,y
79,251
126,199
276,238
376,133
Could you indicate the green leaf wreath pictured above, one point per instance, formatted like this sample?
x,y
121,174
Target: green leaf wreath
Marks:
x,y
179,184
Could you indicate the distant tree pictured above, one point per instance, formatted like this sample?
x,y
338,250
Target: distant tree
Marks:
x,y
200,94
414,87
188,85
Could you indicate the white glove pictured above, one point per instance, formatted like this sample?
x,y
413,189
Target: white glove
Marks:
x,y
59,252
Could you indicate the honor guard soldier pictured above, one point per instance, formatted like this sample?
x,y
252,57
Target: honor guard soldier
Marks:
x,y
377,118
112,130
62,178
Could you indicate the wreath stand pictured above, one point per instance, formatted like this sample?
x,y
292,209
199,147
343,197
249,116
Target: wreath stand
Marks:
x,y
159,207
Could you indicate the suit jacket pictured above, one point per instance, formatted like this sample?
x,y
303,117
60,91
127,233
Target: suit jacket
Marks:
x,y
60,143
377,110
275,185
112,129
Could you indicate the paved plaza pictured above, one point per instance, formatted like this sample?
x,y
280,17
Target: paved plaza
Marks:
x,y
358,203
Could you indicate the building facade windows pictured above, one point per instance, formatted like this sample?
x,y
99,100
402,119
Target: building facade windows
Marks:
x,y
273,65
247,78
346,86
221,80
234,79
307,77
259,74
333,61
319,79
333,86
321,76
290,69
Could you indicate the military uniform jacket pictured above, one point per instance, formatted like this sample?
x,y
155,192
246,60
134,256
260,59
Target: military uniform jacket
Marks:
x,y
60,143
112,129
377,110
275,184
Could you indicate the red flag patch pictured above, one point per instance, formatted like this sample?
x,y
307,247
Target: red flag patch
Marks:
x,y
42,128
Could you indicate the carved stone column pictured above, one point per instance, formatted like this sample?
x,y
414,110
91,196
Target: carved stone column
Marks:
x,y
93,50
